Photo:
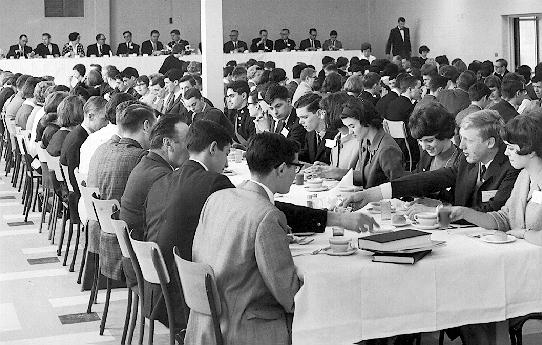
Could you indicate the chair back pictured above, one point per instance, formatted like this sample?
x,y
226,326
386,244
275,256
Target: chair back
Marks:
x,y
66,177
121,230
104,210
151,261
86,195
46,179
396,129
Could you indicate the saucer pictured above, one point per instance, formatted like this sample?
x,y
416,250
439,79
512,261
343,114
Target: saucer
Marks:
x,y
349,188
317,189
406,223
495,239
348,252
427,227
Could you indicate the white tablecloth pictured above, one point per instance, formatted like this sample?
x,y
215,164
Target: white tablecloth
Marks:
x,y
61,68
347,299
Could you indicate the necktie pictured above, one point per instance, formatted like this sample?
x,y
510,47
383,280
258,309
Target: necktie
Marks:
x,y
286,43
99,50
234,45
482,172
312,44
280,126
333,43
170,101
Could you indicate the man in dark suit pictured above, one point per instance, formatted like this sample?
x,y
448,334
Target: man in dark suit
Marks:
x,y
8,89
177,42
152,46
457,99
173,103
513,93
399,40
400,108
237,103
284,44
501,68
200,110
371,88
261,43
100,48
284,115
310,43
20,50
234,45
128,47
47,48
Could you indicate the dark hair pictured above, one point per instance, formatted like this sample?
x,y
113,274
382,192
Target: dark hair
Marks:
x,y
130,72
478,91
327,60
114,101
332,67
277,75
175,31
363,111
154,32
442,60
408,82
493,81
341,62
269,64
62,88
537,78
157,80
266,151
143,79
188,78
474,66
203,133
98,36
503,61
192,92
53,100
432,119
333,33
312,29
333,106
449,72
238,71
73,36
401,19
310,100
29,86
276,92
70,111
46,34
81,69
126,32
525,71
466,80
239,87
525,131
512,84
370,79
296,70
436,82
332,83
424,49
23,35
94,78
486,68
174,74
163,128
262,31
81,92
133,117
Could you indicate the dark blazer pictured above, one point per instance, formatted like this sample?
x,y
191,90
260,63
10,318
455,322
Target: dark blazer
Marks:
x,y
396,44
243,125
311,153
306,43
365,95
176,108
281,44
146,47
255,47
13,51
70,155
530,91
42,50
454,100
505,109
212,114
123,49
295,130
57,140
328,45
499,176
93,50
5,94
399,109
501,76
382,104
241,47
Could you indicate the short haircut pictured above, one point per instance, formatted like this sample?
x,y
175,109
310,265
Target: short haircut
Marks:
x,y
276,92
286,30
46,34
525,131
154,32
40,91
73,36
466,80
232,63
525,71
239,71
424,49
408,82
475,66
370,79
537,78
163,128
114,101
332,83
95,104
306,73
130,72
341,62
327,60
175,31
312,29
363,111
70,111
401,19
354,84
126,32
267,151
459,65
310,100
174,74
442,60
234,30
488,122
297,69
269,64
203,133
436,82
98,36
503,62
277,75
192,92
239,87
450,72
432,119
493,81
333,33
331,67
29,86
81,92
21,36
188,78
53,100
478,91
112,72
511,85
262,31
94,78
80,68
143,79
133,117
332,104
158,80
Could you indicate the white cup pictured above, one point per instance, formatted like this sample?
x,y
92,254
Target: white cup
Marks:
x,y
426,218
339,244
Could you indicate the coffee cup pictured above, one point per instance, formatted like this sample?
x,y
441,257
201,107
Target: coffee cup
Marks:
x,y
314,182
299,179
339,244
426,218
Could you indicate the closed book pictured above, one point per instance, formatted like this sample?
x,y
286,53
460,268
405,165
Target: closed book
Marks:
x,y
396,240
400,258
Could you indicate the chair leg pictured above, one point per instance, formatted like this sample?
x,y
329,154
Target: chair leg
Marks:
x,y
23,169
94,289
83,259
52,216
24,192
28,201
72,265
106,306
127,318
151,331
62,231
36,196
441,338
68,242
133,321
43,208
55,217
141,322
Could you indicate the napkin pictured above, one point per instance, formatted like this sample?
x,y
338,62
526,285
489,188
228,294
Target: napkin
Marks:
x,y
347,180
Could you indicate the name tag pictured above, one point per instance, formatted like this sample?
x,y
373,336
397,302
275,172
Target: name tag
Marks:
x,y
488,194
285,132
331,143
537,197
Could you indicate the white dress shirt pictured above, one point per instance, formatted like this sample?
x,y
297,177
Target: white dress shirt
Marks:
x,y
90,145
267,190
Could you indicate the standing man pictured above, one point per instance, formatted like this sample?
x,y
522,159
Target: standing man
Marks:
x,y
399,40
20,50
311,43
261,43
47,48
128,47
332,43
100,48
152,46
234,45
284,44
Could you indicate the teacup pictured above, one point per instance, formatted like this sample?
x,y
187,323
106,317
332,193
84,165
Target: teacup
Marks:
x,y
426,218
339,244
314,182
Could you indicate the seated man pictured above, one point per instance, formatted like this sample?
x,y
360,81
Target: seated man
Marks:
x,y
513,93
47,47
177,41
237,103
284,44
332,43
200,110
128,47
100,48
234,45
261,43
311,43
285,118
152,46
20,50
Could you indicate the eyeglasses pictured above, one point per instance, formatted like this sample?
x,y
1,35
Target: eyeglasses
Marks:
x,y
298,166
141,84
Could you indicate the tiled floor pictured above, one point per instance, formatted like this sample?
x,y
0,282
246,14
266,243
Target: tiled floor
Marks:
x,y
35,297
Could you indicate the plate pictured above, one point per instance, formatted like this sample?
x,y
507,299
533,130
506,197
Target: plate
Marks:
x,y
426,227
406,223
495,239
348,252
302,234
317,189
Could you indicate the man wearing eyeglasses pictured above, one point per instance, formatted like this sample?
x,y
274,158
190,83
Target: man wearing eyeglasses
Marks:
x,y
100,48
47,47
234,45
513,92
284,44
311,43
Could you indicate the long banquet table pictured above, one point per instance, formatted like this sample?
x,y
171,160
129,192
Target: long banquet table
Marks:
x,y
61,68
346,299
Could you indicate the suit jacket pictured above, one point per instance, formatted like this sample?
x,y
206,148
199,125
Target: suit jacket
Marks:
x,y
146,47
5,94
501,76
70,155
500,176
383,103
215,115
242,236
123,49
454,100
242,124
399,109
93,50
241,47
306,43
55,145
505,109
397,45
14,51
365,95
43,50
295,130
328,45
311,152
281,44
176,108
255,47
427,99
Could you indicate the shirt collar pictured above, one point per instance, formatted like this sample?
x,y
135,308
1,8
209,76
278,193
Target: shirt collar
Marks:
x,y
85,127
200,162
267,190
487,164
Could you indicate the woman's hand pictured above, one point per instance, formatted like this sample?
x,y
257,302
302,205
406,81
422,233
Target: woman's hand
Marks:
x,y
360,199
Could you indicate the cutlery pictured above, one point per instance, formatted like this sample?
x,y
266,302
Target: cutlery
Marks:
x,y
315,252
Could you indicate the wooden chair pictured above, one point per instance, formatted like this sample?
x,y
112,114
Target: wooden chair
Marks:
x,y
46,184
154,271
199,289
86,196
73,215
516,329
398,130
121,229
32,178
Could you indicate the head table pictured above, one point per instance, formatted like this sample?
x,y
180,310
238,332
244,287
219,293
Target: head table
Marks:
x,y
61,68
345,299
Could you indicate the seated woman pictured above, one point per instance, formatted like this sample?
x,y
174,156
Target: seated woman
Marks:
x,y
47,125
521,216
353,85
94,82
142,89
332,83
380,158
494,84
70,114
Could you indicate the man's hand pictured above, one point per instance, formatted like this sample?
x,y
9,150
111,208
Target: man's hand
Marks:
x,y
358,222
329,172
458,213
360,199
518,233
414,209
